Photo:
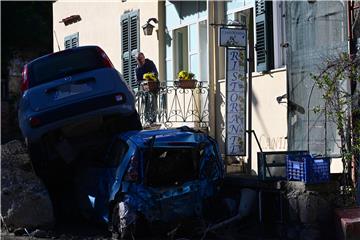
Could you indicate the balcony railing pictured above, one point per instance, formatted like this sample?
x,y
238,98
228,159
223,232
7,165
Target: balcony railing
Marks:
x,y
173,106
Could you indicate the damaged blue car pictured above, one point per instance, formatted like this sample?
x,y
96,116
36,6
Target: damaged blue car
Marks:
x,y
155,177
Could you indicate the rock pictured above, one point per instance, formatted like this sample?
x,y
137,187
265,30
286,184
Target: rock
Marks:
x,y
293,209
25,202
19,232
39,233
13,147
313,208
295,188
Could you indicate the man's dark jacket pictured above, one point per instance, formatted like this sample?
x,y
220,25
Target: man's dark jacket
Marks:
x,y
148,66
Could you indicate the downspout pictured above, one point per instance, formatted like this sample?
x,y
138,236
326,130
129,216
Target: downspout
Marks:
x,y
161,42
250,93
212,67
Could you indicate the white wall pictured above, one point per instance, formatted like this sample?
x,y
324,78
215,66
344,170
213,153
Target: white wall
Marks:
x,y
269,117
100,25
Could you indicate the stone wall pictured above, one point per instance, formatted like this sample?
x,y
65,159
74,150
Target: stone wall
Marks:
x,y
311,210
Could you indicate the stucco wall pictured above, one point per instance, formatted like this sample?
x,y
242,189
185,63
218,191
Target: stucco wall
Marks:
x,y
100,25
269,117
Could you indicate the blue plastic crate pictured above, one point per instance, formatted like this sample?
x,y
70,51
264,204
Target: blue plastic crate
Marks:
x,y
307,169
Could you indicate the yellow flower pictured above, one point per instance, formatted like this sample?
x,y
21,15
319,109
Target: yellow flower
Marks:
x,y
150,76
184,75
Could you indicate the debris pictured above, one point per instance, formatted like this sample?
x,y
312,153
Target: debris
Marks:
x,y
39,233
25,201
246,202
19,232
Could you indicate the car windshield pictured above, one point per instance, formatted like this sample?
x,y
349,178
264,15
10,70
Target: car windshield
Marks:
x,y
171,166
63,64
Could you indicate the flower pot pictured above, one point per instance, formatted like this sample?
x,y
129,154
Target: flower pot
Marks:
x,y
187,84
150,86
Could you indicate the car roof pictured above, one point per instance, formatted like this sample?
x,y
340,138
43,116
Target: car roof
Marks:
x,y
61,52
165,137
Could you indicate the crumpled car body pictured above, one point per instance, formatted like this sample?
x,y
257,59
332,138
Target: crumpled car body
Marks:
x,y
72,103
162,175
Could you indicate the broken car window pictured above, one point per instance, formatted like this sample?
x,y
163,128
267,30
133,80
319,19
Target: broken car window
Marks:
x,y
171,166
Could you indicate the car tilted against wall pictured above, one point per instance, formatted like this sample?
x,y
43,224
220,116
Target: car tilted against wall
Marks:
x,y
72,102
153,177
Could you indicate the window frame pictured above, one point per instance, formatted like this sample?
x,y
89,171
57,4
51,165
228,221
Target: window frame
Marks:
x,y
279,53
70,38
197,51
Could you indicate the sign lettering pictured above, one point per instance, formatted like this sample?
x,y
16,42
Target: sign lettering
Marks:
x,y
235,102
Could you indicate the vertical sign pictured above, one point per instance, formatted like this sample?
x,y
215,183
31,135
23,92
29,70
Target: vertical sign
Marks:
x,y
235,102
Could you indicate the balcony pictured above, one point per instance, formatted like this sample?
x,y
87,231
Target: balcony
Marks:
x,y
173,106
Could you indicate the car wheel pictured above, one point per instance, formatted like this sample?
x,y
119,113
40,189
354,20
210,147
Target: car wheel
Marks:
x,y
125,222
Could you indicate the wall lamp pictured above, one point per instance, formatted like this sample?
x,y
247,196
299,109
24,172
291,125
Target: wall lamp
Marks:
x,y
148,28
70,20
291,105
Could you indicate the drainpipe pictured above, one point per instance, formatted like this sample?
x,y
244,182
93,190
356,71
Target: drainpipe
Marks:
x,y
162,37
250,70
212,67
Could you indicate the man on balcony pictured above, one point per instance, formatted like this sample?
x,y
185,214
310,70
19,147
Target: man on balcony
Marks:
x,y
144,66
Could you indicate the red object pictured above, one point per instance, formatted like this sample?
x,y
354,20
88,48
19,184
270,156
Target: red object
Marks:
x,y
348,223
132,173
105,58
25,80
34,122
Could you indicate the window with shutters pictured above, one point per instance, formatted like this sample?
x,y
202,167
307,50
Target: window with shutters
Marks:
x,y
264,36
130,44
269,30
71,41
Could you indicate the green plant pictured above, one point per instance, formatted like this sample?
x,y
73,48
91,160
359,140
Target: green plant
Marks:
x,y
342,106
184,75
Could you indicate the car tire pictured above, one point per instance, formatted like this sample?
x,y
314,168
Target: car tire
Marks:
x,y
117,231
132,231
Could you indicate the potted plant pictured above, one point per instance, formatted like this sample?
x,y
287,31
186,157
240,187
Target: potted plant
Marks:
x,y
150,83
186,80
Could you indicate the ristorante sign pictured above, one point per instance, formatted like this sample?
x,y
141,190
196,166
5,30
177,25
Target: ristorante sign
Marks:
x,y
232,37
236,102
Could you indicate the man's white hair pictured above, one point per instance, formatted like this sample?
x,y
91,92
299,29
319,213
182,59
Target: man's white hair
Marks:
x,y
138,54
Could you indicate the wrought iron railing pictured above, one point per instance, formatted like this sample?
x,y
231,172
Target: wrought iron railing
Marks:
x,y
173,105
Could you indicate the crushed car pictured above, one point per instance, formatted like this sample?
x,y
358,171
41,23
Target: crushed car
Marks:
x,y
152,177
72,102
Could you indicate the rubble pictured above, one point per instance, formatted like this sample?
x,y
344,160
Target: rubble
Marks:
x,y
25,202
